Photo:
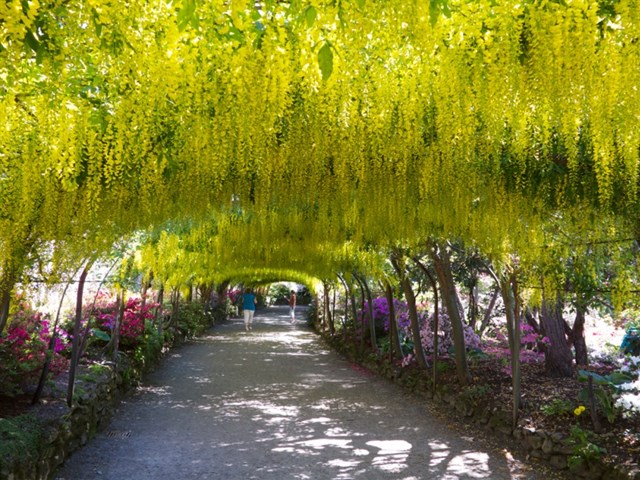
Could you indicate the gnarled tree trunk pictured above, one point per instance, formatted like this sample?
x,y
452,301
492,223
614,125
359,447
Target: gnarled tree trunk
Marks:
x,y
413,312
577,334
558,357
451,301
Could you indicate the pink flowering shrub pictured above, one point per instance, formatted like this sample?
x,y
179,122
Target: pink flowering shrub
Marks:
x,y
133,321
531,345
23,350
530,340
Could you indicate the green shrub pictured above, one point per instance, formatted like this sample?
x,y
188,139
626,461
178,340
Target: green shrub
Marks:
x,y
193,319
584,451
150,348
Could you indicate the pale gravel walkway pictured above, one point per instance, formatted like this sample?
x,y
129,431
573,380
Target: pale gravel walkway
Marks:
x,y
275,404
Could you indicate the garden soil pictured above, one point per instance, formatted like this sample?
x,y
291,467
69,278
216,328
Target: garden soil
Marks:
x,y
276,404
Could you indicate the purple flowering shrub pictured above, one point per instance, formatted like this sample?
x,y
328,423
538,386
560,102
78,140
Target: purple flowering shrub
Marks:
x,y
445,341
381,313
445,335
23,350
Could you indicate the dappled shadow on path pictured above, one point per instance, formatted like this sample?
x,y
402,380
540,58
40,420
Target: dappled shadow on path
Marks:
x,y
275,404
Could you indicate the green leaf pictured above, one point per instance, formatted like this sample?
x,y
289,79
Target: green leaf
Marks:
x,y
100,334
187,15
310,15
434,11
583,376
360,3
325,60
618,378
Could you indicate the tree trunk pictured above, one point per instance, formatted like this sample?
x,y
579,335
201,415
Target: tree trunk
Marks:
x,y
473,306
146,284
413,313
558,357
347,296
451,301
5,305
436,321
372,325
75,346
325,305
395,349
158,312
333,309
577,332
489,311
115,335
7,283
327,308
508,287
175,306
362,301
51,348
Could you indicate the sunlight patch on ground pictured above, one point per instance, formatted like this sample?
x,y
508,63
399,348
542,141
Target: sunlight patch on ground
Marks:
x,y
340,463
154,390
336,432
439,453
200,379
266,408
390,446
291,338
320,420
392,455
468,465
325,442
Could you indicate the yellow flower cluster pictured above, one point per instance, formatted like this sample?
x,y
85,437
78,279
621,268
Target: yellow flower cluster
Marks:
x,y
300,128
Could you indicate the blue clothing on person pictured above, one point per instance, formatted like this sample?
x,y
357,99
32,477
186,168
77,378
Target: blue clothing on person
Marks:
x,y
248,301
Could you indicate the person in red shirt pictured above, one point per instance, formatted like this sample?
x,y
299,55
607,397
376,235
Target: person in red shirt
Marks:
x,y
292,306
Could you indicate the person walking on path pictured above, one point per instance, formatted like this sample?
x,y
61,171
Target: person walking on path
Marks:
x,y
292,306
249,308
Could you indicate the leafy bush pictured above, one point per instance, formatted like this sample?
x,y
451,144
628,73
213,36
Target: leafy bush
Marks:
x,y
584,451
150,347
278,294
224,309
193,319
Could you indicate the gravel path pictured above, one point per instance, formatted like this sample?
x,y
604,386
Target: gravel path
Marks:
x,y
274,403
